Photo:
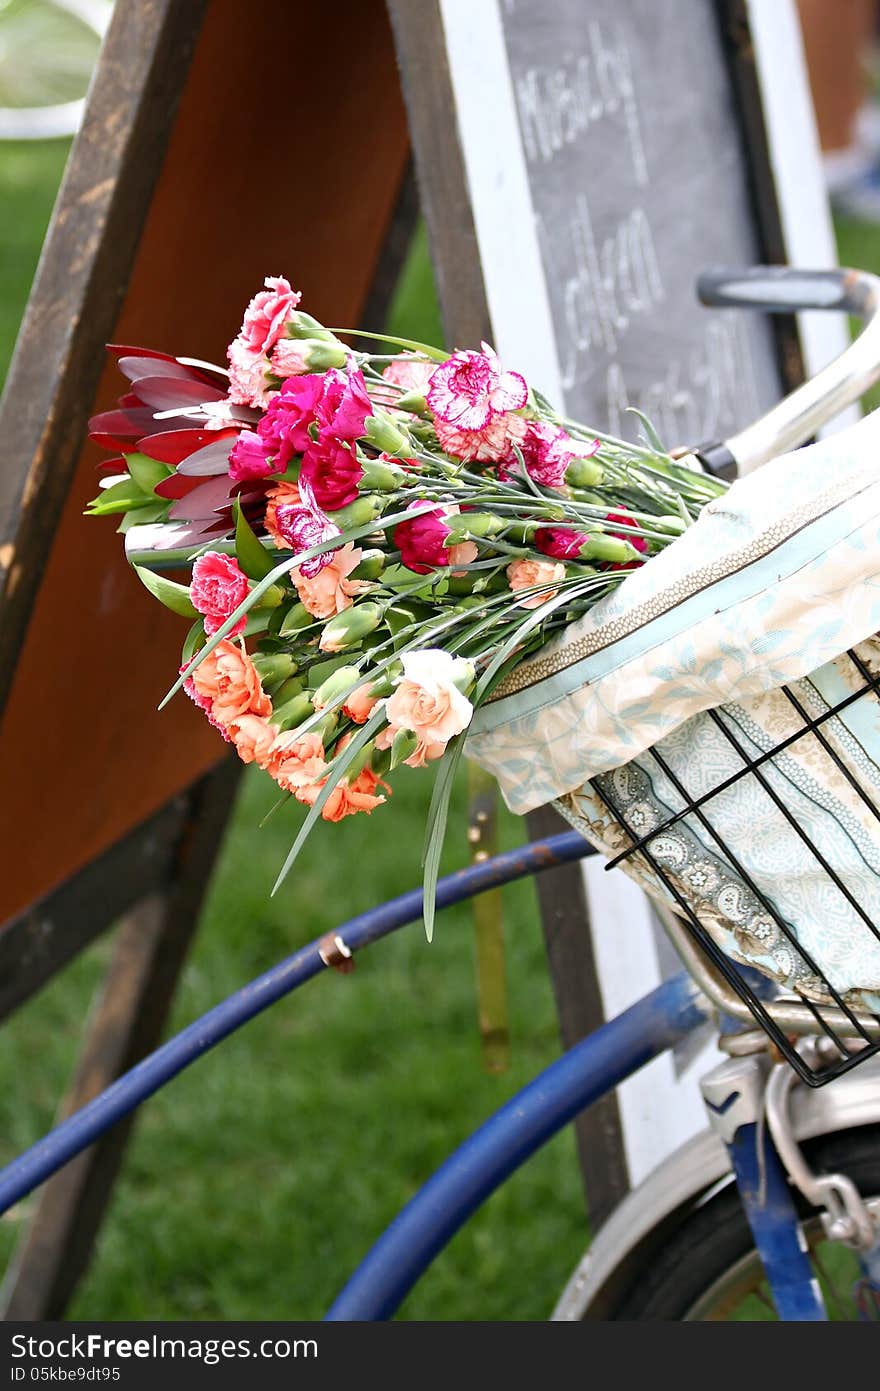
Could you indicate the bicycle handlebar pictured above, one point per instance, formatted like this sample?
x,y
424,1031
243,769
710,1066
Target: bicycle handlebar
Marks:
x,y
788,290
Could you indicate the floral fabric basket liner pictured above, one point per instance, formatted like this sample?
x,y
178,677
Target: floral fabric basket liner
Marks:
x,y
775,580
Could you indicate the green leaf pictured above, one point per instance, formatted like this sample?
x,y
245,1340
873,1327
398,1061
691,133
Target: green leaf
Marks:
x,y
321,670
120,497
194,639
142,516
253,557
435,831
174,596
653,438
146,472
435,354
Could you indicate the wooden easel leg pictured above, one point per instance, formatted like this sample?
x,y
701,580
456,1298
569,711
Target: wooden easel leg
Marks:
x,y
565,917
127,1022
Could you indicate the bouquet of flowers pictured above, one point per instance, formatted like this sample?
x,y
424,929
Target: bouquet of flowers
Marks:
x,y
371,541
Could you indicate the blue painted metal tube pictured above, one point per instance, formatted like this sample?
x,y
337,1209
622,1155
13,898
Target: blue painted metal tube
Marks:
x,y
81,1129
489,1156
769,1207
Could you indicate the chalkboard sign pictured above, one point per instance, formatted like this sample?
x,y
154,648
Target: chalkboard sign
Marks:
x,y
579,164
634,164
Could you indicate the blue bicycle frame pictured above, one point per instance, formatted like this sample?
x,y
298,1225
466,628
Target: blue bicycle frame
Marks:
x,y
580,1077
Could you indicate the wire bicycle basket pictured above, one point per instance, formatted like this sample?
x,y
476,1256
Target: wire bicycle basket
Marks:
x,y
851,1029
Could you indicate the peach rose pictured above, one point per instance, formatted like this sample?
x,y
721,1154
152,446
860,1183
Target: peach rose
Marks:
x,y
228,679
282,495
523,574
296,762
360,704
331,591
427,699
253,737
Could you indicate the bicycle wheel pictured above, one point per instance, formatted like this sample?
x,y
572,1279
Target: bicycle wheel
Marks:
x,y
709,1269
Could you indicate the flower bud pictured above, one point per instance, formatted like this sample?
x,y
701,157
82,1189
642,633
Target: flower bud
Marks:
x,y
320,354
463,674
360,762
371,566
584,473
336,685
358,513
412,401
349,627
273,668
380,477
521,533
302,325
611,548
293,712
273,597
676,526
466,524
292,687
297,617
385,436
326,726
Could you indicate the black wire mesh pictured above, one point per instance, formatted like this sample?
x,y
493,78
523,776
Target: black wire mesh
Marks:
x,y
852,1032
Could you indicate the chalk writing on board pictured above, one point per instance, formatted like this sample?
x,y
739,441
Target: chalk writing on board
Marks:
x,y
608,285
635,174
696,397
558,104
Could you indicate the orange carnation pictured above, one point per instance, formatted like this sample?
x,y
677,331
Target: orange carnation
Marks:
x,y
228,679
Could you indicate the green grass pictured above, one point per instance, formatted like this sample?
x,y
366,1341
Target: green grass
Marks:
x,y
257,1180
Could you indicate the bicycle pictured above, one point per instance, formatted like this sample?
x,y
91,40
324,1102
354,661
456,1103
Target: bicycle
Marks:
x,y
773,1207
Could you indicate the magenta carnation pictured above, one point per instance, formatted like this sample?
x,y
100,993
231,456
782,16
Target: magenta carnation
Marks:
x,y
561,542
344,405
284,429
217,588
331,470
470,389
421,541
249,458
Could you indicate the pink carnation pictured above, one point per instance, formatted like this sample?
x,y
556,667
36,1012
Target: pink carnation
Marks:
x,y
249,458
547,453
410,373
344,405
249,384
470,389
284,429
491,445
289,357
266,315
218,587
528,574
561,542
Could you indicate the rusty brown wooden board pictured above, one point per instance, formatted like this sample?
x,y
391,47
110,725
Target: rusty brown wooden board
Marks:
x,y
257,178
